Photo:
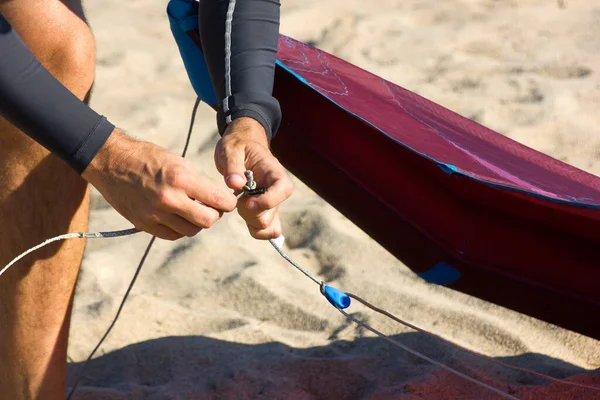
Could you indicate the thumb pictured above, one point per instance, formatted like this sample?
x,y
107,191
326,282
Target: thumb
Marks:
x,y
232,166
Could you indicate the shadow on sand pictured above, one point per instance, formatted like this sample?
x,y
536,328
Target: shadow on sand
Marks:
x,y
198,367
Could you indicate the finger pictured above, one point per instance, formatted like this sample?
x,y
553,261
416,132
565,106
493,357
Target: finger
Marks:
x,y
230,160
260,221
180,225
198,214
211,195
280,190
162,232
272,232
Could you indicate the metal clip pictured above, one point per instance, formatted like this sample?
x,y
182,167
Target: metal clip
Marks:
x,y
250,182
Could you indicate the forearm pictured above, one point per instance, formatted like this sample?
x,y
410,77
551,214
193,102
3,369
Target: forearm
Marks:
x,y
39,105
239,41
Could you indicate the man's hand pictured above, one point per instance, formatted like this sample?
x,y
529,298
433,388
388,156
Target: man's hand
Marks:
x,y
159,192
244,146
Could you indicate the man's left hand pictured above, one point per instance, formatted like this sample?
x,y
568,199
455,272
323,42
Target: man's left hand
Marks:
x,y
244,146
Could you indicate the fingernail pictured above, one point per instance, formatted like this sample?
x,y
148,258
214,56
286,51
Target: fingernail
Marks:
x,y
252,205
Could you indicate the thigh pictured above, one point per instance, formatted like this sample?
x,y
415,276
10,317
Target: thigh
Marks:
x,y
37,189
41,197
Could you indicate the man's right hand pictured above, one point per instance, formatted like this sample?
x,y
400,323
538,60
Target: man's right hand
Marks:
x,y
156,190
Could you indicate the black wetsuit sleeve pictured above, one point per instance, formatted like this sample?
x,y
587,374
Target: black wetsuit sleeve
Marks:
x,y
39,105
239,40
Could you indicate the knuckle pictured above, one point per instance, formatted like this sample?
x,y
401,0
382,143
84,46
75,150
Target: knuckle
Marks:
x,y
164,199
206,223
215,217
263,223
208,220
231,143
217,198
176,176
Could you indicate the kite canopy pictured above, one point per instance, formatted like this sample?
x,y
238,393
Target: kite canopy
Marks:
x,y
459,204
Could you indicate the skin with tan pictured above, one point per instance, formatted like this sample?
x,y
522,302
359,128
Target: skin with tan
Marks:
x,y
159,192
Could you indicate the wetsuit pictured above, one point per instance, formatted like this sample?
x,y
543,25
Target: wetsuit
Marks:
x,y
239,41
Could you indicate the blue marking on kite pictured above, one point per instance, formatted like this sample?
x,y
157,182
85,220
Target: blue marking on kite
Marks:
x,y
448,168
441,274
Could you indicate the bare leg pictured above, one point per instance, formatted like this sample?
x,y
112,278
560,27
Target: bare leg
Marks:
x,y
41,197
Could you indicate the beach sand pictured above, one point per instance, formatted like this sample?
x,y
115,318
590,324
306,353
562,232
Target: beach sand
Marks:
x,y
222,316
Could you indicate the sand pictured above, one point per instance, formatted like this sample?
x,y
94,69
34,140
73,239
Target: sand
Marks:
x,y
222,316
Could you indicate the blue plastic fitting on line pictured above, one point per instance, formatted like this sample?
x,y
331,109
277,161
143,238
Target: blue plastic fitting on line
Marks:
x,y
335,296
